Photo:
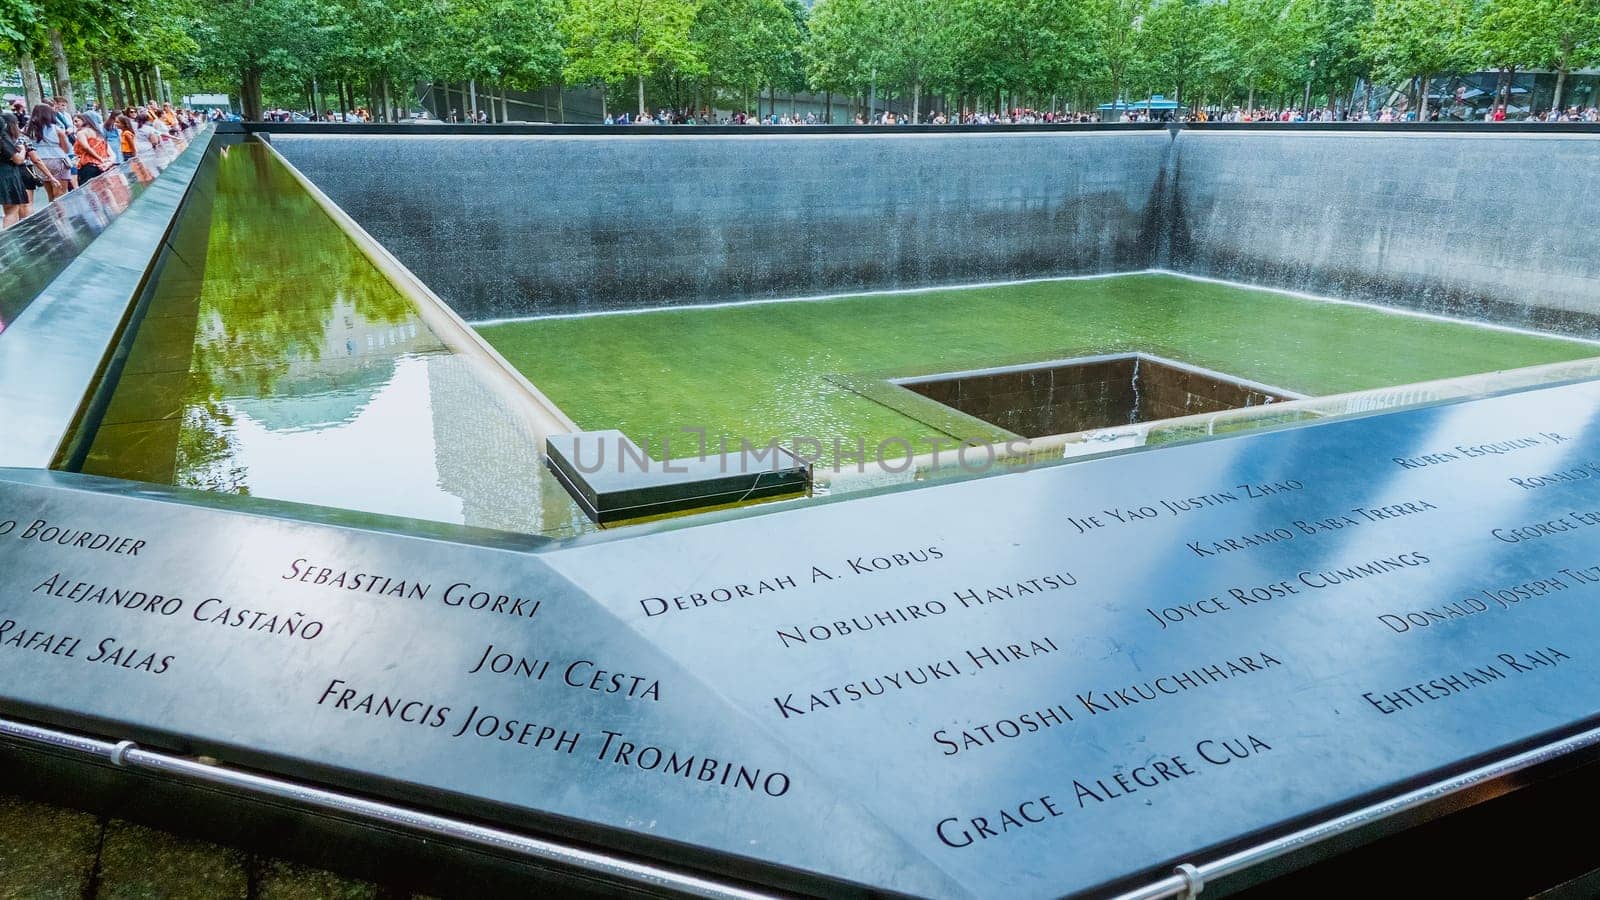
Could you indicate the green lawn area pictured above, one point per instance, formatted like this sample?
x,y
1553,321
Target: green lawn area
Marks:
x,y
759,371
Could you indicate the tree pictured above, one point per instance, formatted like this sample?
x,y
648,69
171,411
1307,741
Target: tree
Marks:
x,y
1416,39
841,53
385,42
1549,34
1335,37
18,19
515,42
610,41
20,23
1176,45
1113,32
245,39
1255,34
1026,46
915,42
745,44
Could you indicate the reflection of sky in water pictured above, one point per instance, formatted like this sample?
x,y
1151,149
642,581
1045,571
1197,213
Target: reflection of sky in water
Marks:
x,y
295,370
313,464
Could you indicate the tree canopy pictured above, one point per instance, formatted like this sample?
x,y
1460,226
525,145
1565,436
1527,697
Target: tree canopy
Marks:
x,y
986,54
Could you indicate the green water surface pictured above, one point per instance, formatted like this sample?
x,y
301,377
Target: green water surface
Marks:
x,y
294,369
761,371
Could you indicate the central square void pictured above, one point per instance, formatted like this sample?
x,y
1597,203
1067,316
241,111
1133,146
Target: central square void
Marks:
x,y
1064,396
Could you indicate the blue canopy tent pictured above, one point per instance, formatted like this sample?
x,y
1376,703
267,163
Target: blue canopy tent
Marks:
x,y
1151,108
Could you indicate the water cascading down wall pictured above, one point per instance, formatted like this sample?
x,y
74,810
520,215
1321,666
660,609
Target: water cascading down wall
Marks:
x,y
1495,226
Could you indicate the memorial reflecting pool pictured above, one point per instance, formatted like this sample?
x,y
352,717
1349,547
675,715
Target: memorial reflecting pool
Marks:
x,y
297,370
247,424
761,371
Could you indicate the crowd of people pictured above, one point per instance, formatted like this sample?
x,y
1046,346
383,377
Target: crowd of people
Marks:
x,y
1391,114
1013,116
47,148
357,116
1016,116
1027,116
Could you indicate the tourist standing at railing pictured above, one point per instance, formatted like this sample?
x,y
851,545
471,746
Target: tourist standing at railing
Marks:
x,y
152,133
127,138
94,157
54,148
15,197
113,136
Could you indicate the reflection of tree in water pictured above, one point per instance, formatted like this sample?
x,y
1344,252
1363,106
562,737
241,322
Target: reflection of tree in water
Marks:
x,y
278,272
205,454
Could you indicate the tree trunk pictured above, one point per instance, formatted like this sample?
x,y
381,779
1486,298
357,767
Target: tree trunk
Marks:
x,y
916,101
1561,82
161,87
641,96
828,118
62,78
505,103
116,89
30,79
388,101
561,101
603,112
472,98
1422,98
250,94
99,83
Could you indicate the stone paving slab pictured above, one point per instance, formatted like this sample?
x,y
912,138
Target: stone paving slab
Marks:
x,y
46,853
54,853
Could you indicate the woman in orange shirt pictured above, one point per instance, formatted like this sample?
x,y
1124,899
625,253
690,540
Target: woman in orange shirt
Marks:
x,y
94,157
130,147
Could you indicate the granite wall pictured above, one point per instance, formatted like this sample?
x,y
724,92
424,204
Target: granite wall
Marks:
x,y
517,225
1497,226
1500,225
